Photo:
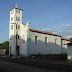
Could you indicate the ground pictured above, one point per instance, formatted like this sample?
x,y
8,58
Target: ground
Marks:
x,y
38,64
6,66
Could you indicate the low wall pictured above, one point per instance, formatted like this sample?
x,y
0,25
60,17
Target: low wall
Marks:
x,y
2,51
69,52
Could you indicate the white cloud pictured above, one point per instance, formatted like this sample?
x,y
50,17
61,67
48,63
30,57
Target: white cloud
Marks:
x,y
67,33
64,33
68,37
67,25
47,29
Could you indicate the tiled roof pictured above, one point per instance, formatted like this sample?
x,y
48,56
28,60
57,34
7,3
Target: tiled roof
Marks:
x,y
63,38
50,33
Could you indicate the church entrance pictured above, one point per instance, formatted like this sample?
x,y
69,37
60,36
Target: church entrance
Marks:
x,y
18,50
10,50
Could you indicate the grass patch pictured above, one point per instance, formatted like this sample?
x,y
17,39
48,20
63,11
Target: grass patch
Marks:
x,y
54,57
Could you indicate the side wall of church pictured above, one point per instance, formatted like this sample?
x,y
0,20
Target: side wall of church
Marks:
x,y
41,47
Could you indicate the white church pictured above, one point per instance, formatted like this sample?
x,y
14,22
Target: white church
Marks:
x,y
24,41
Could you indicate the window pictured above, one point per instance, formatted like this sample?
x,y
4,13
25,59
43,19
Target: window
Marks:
x,y
11,18
36,39
11,27
19,27
10,50
18,18
19,11
46,40
56,41
11,11
18,37
16,26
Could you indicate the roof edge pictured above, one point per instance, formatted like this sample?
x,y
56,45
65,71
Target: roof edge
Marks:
x,y
44,32
16,8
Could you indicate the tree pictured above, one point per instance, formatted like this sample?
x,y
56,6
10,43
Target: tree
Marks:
x,y
70,39
5,45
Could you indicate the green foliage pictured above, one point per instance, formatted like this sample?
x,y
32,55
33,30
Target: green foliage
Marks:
x,y
70,39
5,45
56,57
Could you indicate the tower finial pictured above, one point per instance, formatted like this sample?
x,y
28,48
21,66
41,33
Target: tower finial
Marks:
x,y
16,6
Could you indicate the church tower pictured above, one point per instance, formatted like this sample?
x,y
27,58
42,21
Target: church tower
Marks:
x,y
14,30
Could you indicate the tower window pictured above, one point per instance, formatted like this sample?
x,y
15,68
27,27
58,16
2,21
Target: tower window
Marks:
x,y
19,27
18,37
11,18
11,27
36,39
19,11
56,41
46,40
18,18
11,11
16,26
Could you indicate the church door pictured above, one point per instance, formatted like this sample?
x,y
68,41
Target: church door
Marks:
x,y
18,50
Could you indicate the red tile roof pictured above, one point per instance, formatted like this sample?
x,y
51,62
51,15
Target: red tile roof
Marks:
x,y
44,32
63,38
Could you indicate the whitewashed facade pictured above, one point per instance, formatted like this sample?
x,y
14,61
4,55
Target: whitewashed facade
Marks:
x,y
24,41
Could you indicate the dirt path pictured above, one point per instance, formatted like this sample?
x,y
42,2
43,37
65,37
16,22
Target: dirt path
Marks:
x,y
13,67
19,64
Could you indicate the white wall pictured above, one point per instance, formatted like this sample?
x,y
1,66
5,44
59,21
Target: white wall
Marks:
x,y
12,41
23,44
14,22
69,52
64,46
41,47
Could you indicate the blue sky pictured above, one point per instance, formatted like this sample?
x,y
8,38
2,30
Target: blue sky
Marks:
x,y
49,15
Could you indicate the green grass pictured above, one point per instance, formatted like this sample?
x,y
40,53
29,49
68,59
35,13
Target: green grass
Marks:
x,y
54,57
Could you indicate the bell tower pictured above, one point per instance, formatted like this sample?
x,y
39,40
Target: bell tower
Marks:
x,y
14,29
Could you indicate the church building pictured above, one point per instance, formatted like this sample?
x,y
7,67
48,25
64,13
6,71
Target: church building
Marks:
x,y
24,41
